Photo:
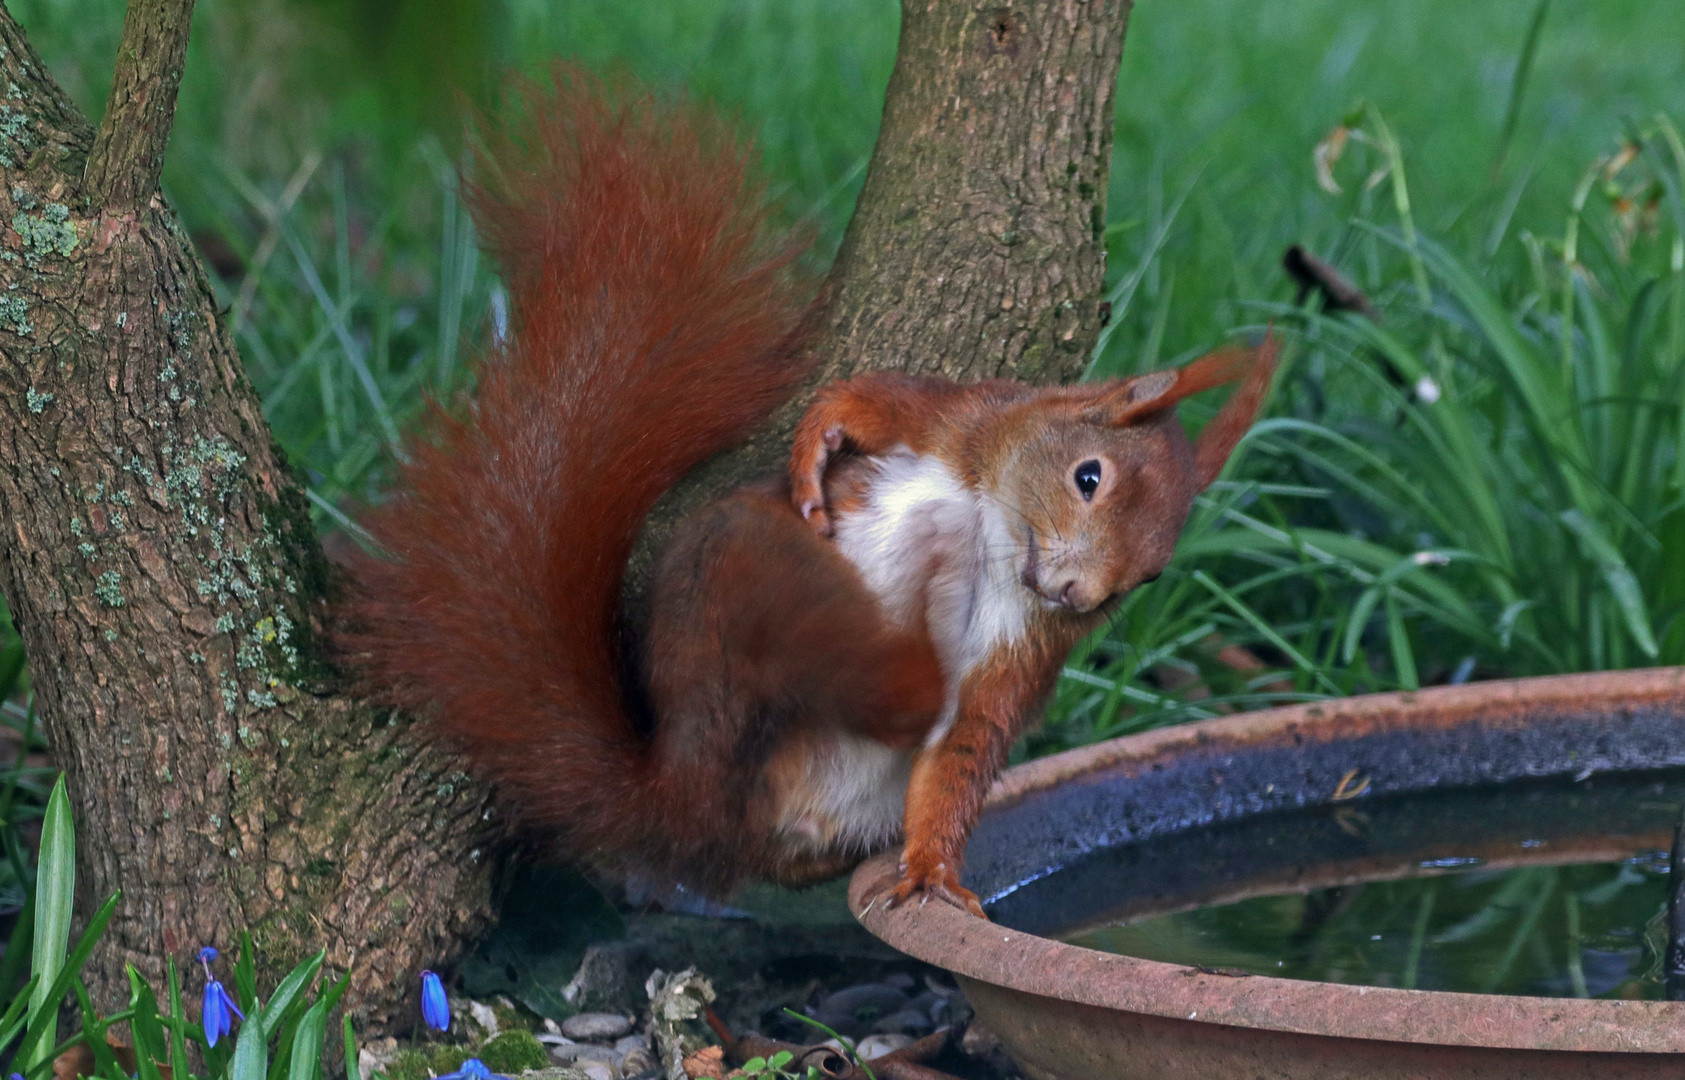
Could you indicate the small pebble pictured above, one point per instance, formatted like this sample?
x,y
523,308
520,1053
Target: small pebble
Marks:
x,y
932,1004
639,1061
579,1053
908,1021
376,1054
596,1026
842,1023
598,1070
901,981
631,1043
484,1017
978,1041
865,1002
876,1046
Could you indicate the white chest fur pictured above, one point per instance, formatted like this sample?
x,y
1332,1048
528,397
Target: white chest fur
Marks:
x,y
927,545
923,539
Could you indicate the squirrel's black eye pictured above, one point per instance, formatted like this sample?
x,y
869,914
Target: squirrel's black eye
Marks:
x,y
1088,478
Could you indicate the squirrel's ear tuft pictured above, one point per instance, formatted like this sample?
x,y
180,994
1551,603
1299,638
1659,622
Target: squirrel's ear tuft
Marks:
x,y
1144,395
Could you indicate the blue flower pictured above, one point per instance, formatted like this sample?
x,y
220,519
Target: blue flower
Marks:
x,y
215,1012
435,1008
207,954
473,1069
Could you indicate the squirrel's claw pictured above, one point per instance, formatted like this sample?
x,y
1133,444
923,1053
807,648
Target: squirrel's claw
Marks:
x,y
814,513
808,459
931,877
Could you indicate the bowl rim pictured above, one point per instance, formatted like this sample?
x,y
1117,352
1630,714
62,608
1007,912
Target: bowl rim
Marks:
x,y
942,934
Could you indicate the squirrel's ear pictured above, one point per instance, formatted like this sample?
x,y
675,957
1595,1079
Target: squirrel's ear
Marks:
x,y
1156,391
1219,437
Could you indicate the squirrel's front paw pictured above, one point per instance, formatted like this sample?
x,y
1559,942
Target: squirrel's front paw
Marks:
x,y
930,876
808,459
813,511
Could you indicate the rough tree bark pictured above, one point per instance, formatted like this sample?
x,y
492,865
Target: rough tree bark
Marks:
x,y
159,559
161,567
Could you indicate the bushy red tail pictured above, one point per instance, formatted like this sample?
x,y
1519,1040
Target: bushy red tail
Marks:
x,y
655,321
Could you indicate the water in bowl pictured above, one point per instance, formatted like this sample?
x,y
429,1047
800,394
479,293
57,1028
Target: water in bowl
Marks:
x,y
1540,888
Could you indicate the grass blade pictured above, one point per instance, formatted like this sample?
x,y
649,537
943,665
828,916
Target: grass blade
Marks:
x,y
1546,880
14,1019
1266,631
1623,585
1403,657
1518,86
17,950
1418,937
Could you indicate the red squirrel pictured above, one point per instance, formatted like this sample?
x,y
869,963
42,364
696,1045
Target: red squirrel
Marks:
x,y
834,660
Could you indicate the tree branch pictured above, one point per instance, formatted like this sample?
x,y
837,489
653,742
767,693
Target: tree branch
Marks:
x,y
40,127
128,152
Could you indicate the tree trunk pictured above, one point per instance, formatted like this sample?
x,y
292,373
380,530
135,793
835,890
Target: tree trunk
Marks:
x,y
162,569
976,248
159,559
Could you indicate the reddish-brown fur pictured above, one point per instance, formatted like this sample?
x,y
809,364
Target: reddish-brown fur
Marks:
x,y
657,321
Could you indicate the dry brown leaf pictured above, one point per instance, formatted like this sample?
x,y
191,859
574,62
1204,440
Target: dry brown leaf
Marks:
x,y
707,1063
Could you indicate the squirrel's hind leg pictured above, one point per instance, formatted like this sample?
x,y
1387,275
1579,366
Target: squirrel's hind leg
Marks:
x,y
767,661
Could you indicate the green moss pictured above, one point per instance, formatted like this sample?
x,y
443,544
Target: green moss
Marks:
x,y
513,1053
512,1017
448,1059
408,1065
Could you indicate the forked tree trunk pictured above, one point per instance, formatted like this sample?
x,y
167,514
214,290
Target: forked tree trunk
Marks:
x,y
158,555
161,566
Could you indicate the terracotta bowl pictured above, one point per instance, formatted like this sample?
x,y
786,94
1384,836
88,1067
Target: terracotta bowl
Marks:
x,y
1076,1014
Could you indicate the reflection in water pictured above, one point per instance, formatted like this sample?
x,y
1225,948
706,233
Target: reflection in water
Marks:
x,y
1586,930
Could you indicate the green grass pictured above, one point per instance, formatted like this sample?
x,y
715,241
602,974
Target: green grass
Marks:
x,y
1366,540
1221,105
1490,478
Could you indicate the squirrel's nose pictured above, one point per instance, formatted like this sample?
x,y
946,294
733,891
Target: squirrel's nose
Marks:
x,y
1065,594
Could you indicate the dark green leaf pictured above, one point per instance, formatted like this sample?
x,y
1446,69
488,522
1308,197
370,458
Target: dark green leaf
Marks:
x,y
55,897
42,1022
148,1036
